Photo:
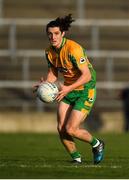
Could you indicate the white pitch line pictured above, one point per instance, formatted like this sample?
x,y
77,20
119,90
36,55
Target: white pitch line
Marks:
x,y
63,166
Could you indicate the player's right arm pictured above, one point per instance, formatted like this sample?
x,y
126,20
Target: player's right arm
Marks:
x,y
52,75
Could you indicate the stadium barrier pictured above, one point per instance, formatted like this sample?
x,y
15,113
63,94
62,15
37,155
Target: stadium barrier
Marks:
x,y
26,55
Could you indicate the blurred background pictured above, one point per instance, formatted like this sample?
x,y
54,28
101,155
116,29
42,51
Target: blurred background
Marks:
x,y
101,26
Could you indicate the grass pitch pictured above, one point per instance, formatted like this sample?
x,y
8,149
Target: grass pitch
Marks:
x,y
42,156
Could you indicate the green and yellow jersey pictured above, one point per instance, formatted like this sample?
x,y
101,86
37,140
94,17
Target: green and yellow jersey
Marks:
x,y
68,60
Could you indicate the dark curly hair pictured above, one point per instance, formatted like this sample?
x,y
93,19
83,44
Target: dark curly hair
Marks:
x,y
63,23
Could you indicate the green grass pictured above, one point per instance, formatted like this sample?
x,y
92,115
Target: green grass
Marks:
x,y
35,156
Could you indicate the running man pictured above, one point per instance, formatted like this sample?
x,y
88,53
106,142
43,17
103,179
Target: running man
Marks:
x,y
78,93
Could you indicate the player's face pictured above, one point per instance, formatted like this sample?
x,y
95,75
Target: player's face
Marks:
x,y
55,36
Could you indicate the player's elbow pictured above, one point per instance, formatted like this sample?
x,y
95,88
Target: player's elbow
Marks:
x,y
88,77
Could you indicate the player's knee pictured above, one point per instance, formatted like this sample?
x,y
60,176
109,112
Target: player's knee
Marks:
x,y
71,131
60,128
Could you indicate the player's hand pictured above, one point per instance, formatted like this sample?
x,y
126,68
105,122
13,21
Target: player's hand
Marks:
x,y
64,90
35,87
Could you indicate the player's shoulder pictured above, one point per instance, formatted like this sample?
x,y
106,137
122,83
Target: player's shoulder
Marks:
x,y
72,45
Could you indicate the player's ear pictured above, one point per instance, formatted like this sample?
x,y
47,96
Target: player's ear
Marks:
x,y
63,33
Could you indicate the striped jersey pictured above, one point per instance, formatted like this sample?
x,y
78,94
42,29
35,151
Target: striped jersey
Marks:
x,y
68,60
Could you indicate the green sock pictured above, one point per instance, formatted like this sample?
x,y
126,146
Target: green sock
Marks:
x,y
94,141
75,154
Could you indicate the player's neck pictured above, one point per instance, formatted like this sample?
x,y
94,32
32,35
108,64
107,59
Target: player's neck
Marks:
x,y
58,48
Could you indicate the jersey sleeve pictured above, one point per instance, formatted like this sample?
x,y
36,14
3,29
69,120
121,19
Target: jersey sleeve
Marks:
x,y
78,56
50,65
48,62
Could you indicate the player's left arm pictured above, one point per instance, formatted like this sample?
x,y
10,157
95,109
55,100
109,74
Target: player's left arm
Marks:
x,y
81,61
84,78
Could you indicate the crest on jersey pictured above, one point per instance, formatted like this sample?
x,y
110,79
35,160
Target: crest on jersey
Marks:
x,y
90,99
82,60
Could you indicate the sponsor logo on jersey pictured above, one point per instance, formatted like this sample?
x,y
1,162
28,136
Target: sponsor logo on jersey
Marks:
x,y
90,99
82,60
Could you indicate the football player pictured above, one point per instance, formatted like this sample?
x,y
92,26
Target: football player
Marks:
x,y
78,93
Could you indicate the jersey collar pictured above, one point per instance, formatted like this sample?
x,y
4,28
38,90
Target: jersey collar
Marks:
x,y
62,44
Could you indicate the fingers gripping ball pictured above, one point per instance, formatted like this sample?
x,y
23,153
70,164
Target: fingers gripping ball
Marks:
x,y
47,92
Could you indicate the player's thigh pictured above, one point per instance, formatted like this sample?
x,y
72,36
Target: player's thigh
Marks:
x,y
63,113
75,119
